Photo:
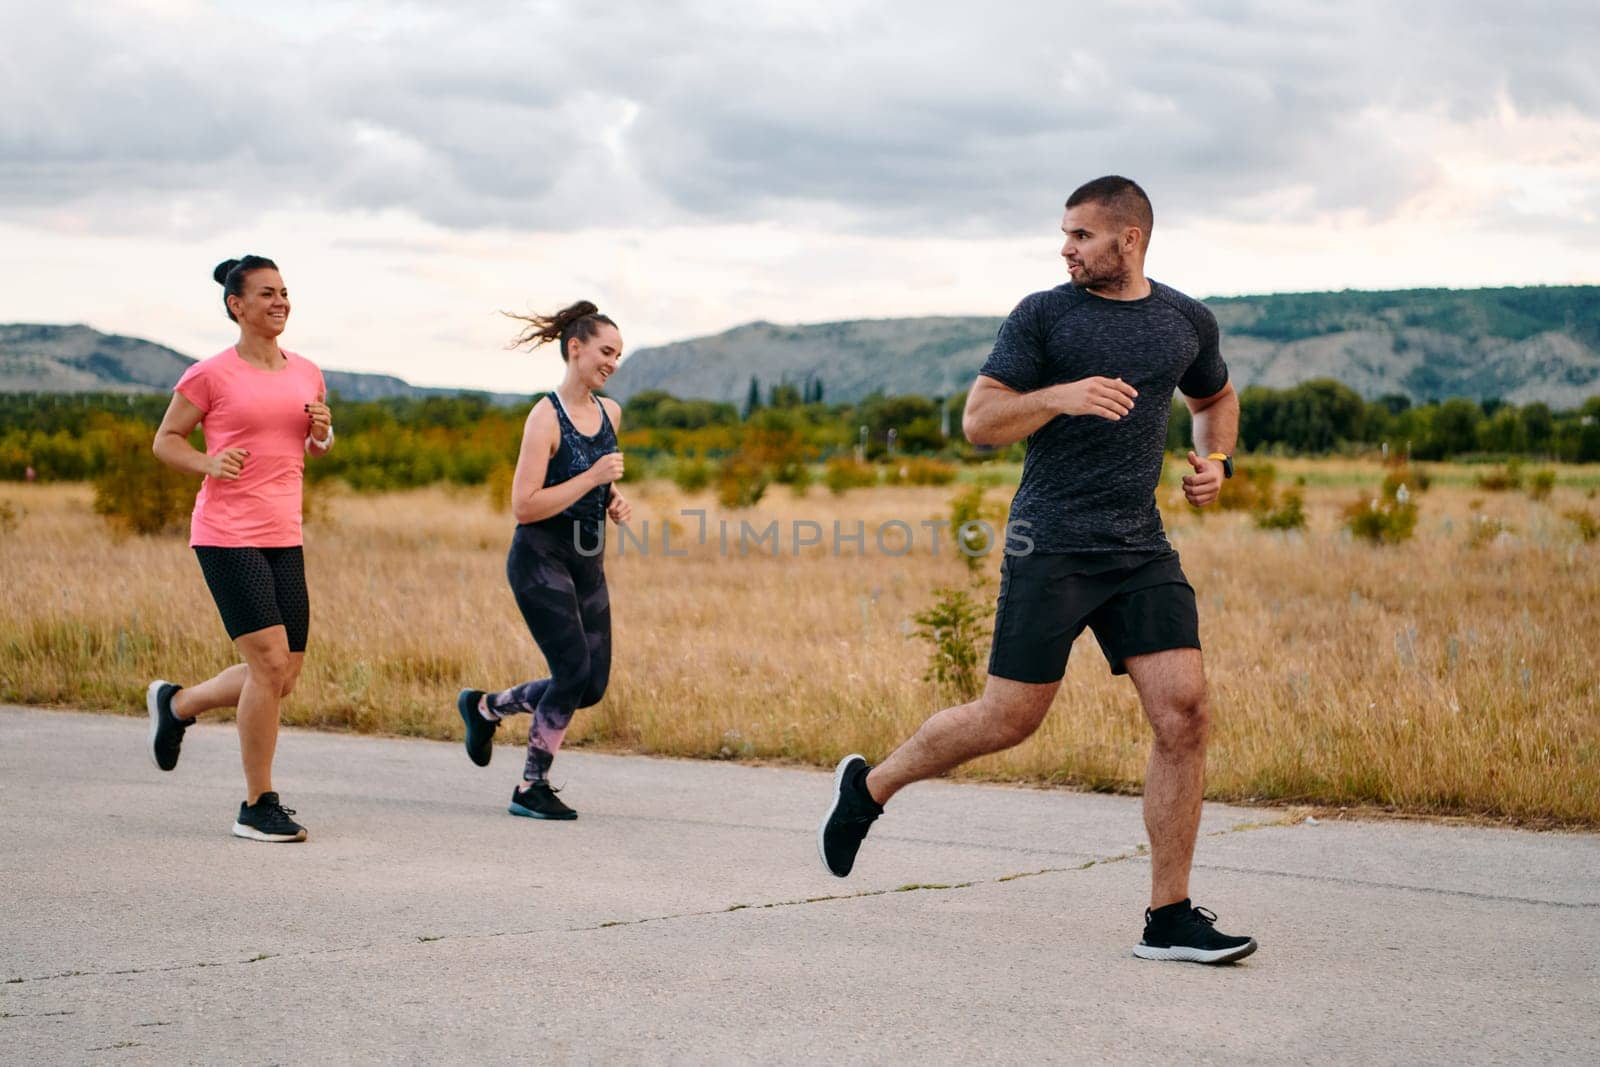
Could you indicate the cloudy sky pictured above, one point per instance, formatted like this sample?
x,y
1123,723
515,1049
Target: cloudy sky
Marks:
x,y
690,166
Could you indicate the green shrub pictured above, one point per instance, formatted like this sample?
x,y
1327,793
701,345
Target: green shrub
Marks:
x,y
953,626
1586,522
1290,514
921,470
1540,483
797,477
741,482
843,473
1253,487
1484,530
137,492
967,509
1500,479
1381,522
1404,476
691,474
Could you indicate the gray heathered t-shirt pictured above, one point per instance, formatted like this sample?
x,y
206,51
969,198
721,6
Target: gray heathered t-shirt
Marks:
x,y
1089,484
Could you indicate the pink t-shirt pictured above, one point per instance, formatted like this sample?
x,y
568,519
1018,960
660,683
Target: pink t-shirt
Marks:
x,y
264,412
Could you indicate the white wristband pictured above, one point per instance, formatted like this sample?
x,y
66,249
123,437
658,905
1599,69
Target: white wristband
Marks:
x,y
324,444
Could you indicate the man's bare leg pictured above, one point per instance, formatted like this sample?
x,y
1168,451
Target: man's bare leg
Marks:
x,y
1005,715
1172,688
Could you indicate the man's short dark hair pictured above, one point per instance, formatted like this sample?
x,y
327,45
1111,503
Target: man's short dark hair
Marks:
x,y
1122,197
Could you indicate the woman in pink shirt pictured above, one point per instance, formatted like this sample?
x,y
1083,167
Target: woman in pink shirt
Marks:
x,y
263,410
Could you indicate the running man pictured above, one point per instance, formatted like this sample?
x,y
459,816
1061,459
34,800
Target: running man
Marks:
x,y
561,495
1086,373
264,410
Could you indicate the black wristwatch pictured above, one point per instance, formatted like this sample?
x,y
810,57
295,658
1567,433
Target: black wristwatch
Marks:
x,y
1227,463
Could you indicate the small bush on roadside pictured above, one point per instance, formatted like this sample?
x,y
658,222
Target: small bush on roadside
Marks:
x,y
970,515
953,626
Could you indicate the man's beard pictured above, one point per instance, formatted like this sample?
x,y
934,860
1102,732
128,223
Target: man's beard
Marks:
x,y
1109,271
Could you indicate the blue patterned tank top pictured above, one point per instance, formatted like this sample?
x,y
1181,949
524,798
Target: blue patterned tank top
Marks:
x,y
576,454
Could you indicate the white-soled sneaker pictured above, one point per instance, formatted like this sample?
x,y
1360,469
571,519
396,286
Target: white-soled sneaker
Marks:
x,y
1182,932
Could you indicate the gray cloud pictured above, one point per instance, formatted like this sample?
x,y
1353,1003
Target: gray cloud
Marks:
x,y
924,118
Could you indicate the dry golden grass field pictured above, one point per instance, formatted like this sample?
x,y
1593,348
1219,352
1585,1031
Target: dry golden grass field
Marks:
x,y
1452,674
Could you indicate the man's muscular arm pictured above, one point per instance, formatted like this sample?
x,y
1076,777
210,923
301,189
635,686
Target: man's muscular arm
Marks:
x,y
996,414
1216,429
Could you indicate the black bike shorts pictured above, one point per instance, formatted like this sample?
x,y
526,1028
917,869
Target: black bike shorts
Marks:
x,y
259,587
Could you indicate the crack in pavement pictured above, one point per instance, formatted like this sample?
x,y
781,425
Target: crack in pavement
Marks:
x,y
1336,880
432,939
1289,818
912,887
1138,852
1135,852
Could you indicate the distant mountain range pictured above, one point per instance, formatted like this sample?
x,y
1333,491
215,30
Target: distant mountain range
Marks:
x,y
1526,345
1520,345
77,359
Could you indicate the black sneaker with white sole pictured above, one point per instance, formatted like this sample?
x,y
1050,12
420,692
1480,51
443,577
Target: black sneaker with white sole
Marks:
x,y
1181,932
166,729
480,731
267,820
539,801
845,826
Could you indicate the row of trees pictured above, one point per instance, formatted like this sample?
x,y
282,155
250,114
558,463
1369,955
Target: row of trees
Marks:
x,y
401,442
1323,416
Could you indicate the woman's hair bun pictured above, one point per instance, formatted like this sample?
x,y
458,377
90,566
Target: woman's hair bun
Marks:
x,y
221,273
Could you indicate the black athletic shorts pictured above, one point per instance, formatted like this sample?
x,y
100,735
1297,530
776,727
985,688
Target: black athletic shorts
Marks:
x,y
259,587
1134,603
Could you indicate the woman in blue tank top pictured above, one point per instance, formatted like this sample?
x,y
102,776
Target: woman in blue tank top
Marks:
x,y
561,495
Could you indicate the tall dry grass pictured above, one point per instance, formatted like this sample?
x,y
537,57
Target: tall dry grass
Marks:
x,y
1451,674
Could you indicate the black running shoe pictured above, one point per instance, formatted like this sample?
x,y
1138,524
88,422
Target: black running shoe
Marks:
x,y
267,820
166,729
848,820
480,731
539,801
1180,932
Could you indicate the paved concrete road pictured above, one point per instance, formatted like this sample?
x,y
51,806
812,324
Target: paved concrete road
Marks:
x,y
685,918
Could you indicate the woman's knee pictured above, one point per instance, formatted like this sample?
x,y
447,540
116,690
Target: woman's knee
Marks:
x,y
272,668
